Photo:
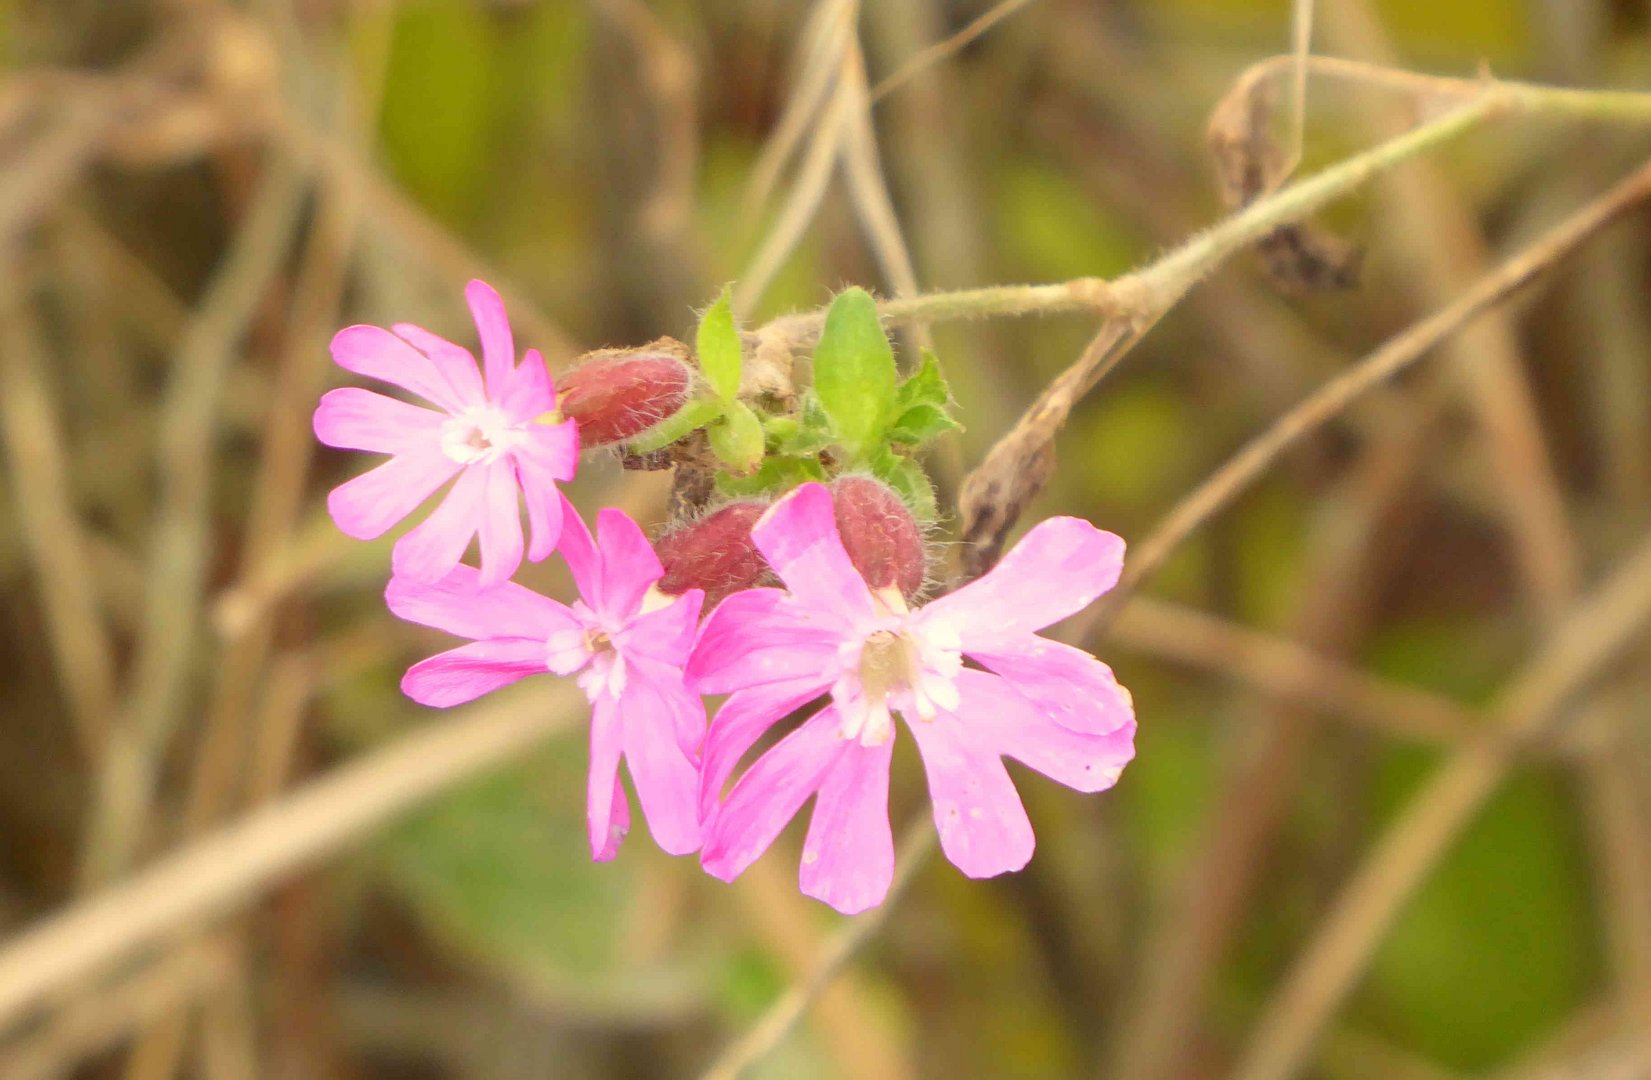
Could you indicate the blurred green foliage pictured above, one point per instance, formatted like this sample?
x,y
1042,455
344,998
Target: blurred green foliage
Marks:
x,y
509,124
1496,950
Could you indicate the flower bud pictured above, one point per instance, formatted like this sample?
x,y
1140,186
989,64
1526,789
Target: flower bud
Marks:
x,y
880,534
714,553
617,394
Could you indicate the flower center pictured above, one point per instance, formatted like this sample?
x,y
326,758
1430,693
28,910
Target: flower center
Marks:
x,y
888,663
588,650
902,670
479,434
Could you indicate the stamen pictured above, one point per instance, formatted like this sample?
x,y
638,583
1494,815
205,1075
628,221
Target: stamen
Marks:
x,y
480,434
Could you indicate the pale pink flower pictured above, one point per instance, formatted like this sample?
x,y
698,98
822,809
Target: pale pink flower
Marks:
x,y
1048,705
626,641
483,431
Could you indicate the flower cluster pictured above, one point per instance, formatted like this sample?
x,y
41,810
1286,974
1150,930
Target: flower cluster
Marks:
x,y
807,603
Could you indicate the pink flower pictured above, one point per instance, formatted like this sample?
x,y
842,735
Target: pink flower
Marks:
x,y
482,432
627,641
1050,706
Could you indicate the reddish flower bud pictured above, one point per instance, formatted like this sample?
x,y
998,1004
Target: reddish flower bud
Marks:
x,y
714,553
880,534
616,394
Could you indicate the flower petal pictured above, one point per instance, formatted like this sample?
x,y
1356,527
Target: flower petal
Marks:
x,y
999,716
367,506
619,824
665,634
848,858
686,709
378,354
551,454
500,524
455,363
553,449
528,391
579,552
798,536
544,511
1058,568
493,325
469,671
770,794
351,418
666,778
1070,686
761,636
983,826
459,605
607,813
431,550
629,564
739,723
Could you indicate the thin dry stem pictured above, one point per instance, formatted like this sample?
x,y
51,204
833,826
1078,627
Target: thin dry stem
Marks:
x,y
1301,45
451,259
179,546
808,190
101,1017
1147,293
1330,400
941,51
868,191
183,890
1015,470
1338,580
823,41
1596,630
1446,252
777,1021
1288,671
56,543
1433,91
847,1024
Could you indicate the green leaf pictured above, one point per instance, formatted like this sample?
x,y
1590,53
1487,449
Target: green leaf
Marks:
x,y
695,414
920,423
780,430
802,435
718,347
854,372
737,438
926,386
921,406
909,481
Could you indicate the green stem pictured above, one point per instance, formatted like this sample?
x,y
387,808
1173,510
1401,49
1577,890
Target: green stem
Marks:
x,y
1166,280
1151,290
695,414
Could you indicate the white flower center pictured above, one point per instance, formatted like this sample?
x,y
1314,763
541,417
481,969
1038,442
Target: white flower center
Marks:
x,y
897,668
590,651
479,434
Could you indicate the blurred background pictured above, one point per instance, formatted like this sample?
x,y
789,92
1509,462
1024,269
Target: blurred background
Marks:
x,y
195,194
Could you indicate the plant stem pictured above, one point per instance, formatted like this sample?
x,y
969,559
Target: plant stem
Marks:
x,y
1156,287
1148,291
1166,280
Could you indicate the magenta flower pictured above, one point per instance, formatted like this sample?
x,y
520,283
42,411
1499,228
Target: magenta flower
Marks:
x,y
1048,705
482,431
627,641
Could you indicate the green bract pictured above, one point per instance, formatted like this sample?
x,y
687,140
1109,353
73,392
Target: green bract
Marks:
x,y
920,405
857,414
718,347
854,372
737,439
